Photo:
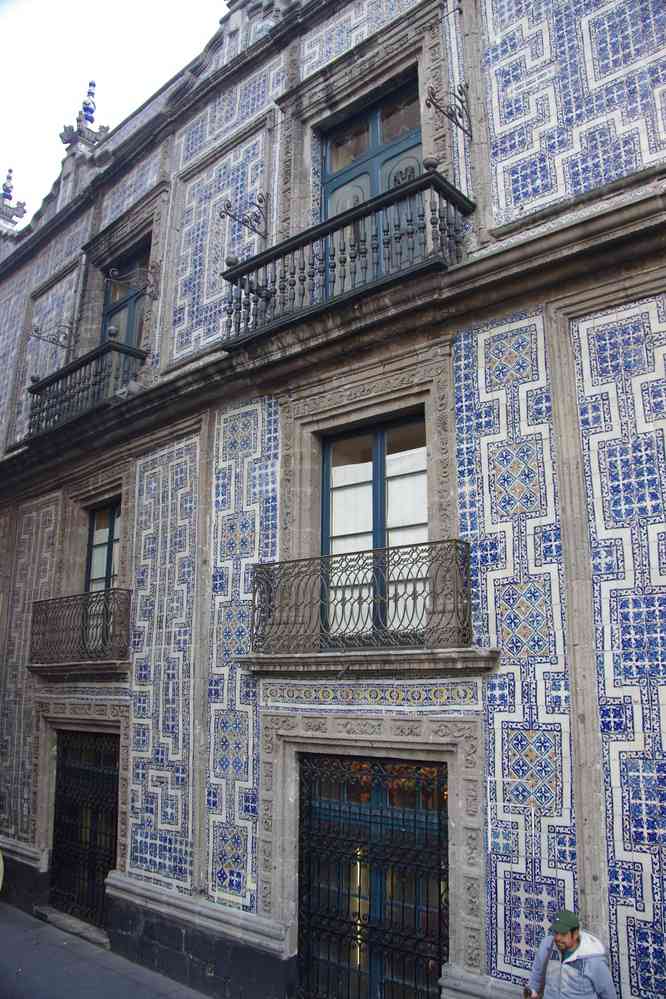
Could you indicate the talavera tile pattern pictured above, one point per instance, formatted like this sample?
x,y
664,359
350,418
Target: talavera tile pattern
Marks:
x,y
53,315
34,573
509,512
620,357
206,239
165,556
575,96
244,531
346,29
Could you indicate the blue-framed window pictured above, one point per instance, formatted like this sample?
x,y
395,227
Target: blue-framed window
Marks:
x,y
372,152
374,498
125,299
374,491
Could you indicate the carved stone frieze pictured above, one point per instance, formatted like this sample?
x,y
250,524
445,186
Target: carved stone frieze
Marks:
x,y
455,742
472,792
407,729
471,895
472,846
359,726
473,949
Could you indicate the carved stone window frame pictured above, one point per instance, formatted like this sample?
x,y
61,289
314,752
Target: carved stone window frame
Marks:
x,y
456,741
370,70
50,716
367,392
146,219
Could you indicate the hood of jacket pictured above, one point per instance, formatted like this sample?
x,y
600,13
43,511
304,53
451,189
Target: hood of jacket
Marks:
x,y
589,946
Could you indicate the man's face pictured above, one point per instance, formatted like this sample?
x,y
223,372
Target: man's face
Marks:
x,y
567,941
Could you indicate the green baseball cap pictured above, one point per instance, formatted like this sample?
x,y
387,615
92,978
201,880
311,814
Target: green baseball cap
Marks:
x,y
565,921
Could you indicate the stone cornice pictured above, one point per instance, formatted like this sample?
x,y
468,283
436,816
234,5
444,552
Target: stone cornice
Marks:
x,y
425,304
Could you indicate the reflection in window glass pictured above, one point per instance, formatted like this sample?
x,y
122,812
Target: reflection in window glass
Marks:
x,y
399,117
347,146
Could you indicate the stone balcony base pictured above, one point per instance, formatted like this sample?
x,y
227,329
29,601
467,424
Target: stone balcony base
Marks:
x,y
383,662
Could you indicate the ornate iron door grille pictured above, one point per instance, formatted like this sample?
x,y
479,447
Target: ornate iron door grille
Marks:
x,y
373,878
85,824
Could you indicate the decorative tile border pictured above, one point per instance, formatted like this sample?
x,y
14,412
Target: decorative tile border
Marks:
x,y
620,356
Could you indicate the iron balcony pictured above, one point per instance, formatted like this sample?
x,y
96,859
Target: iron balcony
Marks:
x,y
86,632
409,597
82,385
416,226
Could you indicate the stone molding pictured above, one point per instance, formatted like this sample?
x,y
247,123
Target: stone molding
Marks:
x,y
456,740
95,670
23,853
100,716
382,662
245,927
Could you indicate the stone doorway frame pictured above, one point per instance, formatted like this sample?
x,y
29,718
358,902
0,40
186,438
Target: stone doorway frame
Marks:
x,y
456,741
78,716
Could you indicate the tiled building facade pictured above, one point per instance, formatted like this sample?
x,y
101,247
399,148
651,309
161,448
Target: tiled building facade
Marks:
x,y
528,333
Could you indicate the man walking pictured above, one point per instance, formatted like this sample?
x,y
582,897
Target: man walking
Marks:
x,y
570,964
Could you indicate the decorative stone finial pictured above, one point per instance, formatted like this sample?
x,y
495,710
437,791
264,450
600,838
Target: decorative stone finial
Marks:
x,y
89,107
8,186
84,132
9,214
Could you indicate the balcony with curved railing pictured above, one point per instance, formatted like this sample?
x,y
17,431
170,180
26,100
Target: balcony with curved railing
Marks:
x,y
370,606
85,634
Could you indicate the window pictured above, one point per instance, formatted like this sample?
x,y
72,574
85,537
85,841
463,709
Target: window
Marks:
x,y
373,152
103,543
374,590
124,299
375,489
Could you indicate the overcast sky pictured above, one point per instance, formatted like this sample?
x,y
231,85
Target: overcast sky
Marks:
x,y
49,49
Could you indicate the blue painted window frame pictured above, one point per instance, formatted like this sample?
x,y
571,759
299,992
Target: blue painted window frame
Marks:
x,y
378,152
379,432
130,301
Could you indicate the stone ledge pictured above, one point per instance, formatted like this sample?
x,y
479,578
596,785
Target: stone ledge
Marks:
x,y
70,924
459,984
383,662
97,670
244,928
24,853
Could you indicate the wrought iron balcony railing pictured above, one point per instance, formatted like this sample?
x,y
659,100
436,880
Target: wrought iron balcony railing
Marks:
x,y
416,225
83,628
82,385
414,596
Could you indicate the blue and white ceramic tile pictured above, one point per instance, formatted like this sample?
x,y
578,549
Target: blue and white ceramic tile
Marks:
x,y
244,531
575,96
165,557
509,512
620,366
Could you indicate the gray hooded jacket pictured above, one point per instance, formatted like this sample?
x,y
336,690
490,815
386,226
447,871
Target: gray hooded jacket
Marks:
x,y
583,975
